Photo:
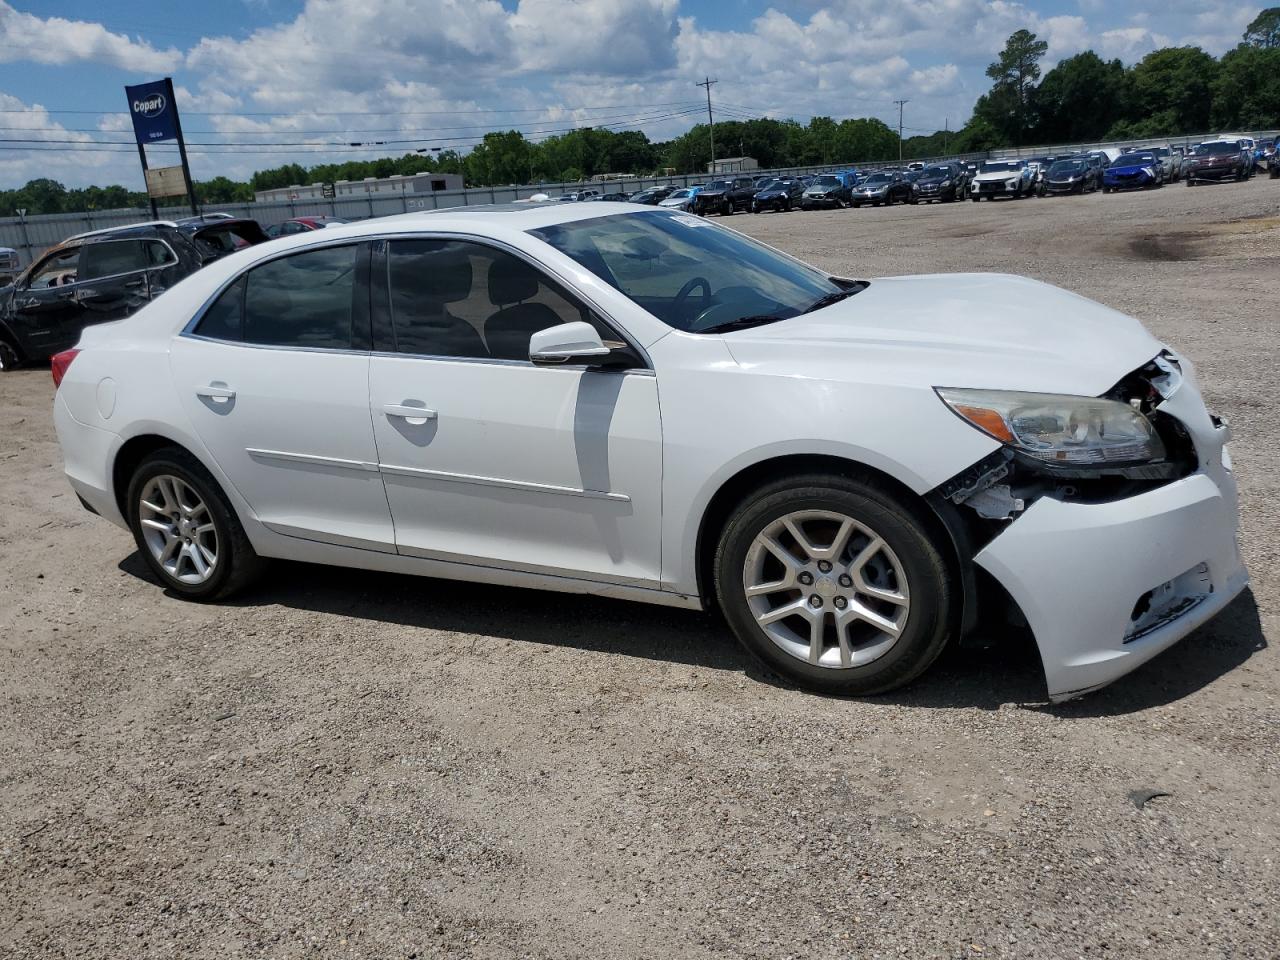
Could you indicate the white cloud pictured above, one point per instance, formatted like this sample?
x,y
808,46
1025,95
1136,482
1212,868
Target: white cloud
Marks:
x,y
55,40
346,70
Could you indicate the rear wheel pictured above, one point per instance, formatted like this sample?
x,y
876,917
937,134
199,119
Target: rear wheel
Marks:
x,y
186,529
834,584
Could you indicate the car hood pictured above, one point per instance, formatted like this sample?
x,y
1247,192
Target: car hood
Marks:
x,y
1132,167
872,187
988,331
1000,175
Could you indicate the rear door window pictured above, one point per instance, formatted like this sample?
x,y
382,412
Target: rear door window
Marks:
x,y
304,300
110,258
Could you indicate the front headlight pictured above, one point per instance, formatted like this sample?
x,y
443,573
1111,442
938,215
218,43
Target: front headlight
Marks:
x,y
944,184
1011,183
1060,429
1149,171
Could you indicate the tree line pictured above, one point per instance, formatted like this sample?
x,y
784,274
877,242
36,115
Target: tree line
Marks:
x,y
1169,92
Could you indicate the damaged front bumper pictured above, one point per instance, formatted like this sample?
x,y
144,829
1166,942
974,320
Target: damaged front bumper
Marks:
x,y
1105,586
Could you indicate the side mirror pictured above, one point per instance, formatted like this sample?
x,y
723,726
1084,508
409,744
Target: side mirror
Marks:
x,y
568,343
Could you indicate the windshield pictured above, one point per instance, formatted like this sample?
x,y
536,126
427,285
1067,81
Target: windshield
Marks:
x,y
1133,160
879,178
827,182
930,172
1205,149
687,272
771,185
999,166
719,185
1161,151
680,195
1067,166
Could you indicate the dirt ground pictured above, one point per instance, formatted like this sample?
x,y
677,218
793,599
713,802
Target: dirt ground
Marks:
x,y
345,764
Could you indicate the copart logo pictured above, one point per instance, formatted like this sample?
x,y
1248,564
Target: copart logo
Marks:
x,y
153,106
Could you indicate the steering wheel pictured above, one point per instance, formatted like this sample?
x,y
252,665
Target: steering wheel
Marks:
x,y
678,303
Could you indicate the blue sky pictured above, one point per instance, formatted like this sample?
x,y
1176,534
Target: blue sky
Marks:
x,y
439,72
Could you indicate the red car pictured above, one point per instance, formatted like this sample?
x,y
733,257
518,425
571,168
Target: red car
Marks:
x,y
302,225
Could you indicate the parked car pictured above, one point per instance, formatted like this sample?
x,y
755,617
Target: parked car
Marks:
x,y
885,187
1073,175
829,190
616,197
10,265
106,275
1136,170
856,472
1215,160
652,196
681,199
1170,162
1001,178
781,194
725,196
302,225
944,182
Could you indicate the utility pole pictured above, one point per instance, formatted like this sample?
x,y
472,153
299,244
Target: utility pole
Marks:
x,y
710,120
901,104
946,133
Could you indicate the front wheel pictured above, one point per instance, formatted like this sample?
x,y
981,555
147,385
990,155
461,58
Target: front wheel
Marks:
x,y
834,584
186,529
9,358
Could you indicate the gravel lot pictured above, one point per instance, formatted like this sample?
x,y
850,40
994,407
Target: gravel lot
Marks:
x,y
357,765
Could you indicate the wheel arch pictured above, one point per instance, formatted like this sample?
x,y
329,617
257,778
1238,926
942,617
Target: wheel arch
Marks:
x,y
132,452
933,512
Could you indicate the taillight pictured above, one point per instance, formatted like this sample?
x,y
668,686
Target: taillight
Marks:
x,y
59,364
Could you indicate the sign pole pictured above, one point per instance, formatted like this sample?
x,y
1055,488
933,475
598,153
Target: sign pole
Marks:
x,y
142,155
182,149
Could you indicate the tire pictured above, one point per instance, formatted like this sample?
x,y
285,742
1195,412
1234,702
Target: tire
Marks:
x,y
727,209
10,359
235,564
908,565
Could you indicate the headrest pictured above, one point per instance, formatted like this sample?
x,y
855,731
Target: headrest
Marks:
x,y
430,270
511,281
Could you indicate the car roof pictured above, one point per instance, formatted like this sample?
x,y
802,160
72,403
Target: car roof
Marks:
x,y
126,230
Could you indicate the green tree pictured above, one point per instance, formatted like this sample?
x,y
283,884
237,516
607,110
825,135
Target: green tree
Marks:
x,y
1173,89
1246,91
1015,74
1264,30
1081,98
223,190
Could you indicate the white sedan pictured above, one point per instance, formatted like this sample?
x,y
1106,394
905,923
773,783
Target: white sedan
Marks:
x,y
635,402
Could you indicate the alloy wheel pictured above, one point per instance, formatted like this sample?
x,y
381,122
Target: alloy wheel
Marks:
x,y
826,589
178,529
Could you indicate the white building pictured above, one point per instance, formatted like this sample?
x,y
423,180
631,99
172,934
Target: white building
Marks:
x,y
385,186
733,165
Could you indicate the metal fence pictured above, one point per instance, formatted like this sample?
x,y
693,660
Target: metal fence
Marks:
x,y
31,236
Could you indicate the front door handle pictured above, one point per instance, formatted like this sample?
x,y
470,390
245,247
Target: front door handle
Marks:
x,y
218,392
414,415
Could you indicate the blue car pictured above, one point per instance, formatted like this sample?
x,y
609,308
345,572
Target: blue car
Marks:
x,y
1133,171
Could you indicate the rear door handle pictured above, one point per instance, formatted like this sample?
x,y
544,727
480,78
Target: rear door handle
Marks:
x,y
413,415
219,392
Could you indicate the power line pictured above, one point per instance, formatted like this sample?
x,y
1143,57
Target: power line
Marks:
x,y
360,113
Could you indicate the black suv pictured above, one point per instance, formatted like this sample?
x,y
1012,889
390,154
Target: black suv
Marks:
x,y
725,196
106,275
944,182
